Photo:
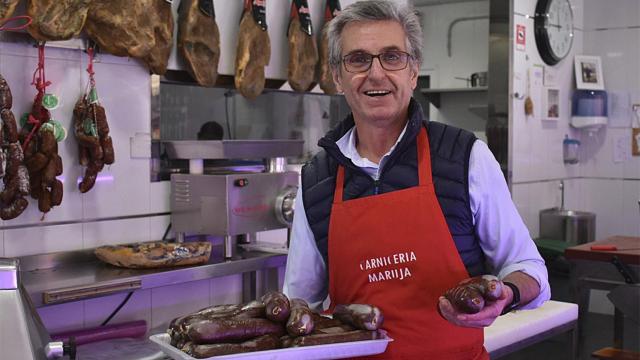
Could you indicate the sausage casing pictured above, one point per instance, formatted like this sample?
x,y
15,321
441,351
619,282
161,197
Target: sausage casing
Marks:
x,y
362,316
277,307
226,330
14,210
301,318
489,286
9,125
466,299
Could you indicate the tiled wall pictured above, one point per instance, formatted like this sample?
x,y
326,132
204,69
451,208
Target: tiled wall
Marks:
x,y
469,54
598,184
123,188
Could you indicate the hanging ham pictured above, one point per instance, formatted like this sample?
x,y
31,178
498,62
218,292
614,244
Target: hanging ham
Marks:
x,y
325,78
142,29
254,49
158,57
7,7
303,51
199,40
56,19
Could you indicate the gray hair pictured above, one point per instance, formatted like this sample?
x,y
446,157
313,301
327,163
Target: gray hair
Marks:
x,y
370,10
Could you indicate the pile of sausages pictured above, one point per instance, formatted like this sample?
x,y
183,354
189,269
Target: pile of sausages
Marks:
x,y
272,322
12,169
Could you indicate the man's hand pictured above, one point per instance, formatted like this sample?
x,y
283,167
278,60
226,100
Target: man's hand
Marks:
x,y
483,318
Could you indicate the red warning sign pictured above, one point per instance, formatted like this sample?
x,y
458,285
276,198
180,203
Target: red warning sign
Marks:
x,y
521,37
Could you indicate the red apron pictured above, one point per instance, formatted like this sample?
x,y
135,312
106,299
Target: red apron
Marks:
x,y
395,251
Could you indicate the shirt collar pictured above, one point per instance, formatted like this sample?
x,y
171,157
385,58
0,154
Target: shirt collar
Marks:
x,y
347,145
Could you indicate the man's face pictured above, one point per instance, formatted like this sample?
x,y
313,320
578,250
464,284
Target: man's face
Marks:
x,y
377,96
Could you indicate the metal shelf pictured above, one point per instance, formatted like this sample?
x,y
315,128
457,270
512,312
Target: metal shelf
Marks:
x,y
232,149
433,95
78,275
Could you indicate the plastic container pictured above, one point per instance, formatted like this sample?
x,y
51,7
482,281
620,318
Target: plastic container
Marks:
x,y
570,150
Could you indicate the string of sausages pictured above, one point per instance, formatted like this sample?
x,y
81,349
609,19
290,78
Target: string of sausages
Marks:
x,y
41,146
95,146
12,169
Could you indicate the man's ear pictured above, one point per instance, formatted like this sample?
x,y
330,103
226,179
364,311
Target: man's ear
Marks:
x,y
414,76
335,73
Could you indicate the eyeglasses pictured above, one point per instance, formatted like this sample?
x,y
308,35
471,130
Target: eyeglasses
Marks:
x,y
391,60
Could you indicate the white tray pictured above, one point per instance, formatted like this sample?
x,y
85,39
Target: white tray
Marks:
x,y
328,351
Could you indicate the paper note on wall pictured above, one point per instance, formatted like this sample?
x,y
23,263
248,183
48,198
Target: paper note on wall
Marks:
x,y
619,105
537,87
621,148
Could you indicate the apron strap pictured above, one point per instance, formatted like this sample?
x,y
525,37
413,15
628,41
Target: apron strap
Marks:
x,y
337,194
424,159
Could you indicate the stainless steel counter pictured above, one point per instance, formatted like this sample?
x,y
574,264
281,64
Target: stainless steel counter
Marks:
x,y
70,276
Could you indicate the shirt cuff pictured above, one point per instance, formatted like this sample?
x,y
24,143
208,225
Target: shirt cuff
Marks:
x,y
539,273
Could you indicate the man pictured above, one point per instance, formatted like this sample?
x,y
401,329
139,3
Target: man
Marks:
x,y
395,210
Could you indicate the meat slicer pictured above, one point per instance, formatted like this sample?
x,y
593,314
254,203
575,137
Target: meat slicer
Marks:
x,y
234,202
21,330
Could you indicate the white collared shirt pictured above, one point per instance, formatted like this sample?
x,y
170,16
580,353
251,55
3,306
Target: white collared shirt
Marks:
x,y
503,236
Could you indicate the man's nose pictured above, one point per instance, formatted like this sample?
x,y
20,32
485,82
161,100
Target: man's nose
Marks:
x,y
376,68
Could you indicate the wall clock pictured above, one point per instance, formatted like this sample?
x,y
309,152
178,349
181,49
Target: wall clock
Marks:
x,y
553,24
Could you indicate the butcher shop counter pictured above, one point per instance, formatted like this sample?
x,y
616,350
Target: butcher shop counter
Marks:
x,y
76,275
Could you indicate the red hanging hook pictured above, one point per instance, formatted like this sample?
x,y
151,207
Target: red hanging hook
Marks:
x,y
16,18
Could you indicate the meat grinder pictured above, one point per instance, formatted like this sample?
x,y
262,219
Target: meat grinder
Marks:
x,y
233,201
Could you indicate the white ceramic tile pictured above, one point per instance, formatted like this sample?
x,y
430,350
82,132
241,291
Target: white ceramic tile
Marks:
x,y
160,196
157,227
115,232
572,194
611,13
604,198
42,239
596,155
138,307
631,207
62,317
122,188
226,290
520,196
613,46
169,302
632,167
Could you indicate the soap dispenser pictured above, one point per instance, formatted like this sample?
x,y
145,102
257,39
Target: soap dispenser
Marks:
x,y
589,109
570,150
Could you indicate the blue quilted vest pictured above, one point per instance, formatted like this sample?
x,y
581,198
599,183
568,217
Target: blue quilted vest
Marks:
x,y
450,149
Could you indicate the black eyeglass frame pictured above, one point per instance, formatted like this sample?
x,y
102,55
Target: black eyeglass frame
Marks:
x,y
406,63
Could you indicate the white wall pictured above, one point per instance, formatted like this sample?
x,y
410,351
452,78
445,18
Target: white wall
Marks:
x,y
608,188
124,190
598,184
469,42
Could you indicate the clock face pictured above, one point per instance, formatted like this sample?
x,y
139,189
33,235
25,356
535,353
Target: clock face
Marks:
x,y
554,29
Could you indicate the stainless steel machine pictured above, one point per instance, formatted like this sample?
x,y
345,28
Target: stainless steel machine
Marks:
x,y
22,334
233,201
